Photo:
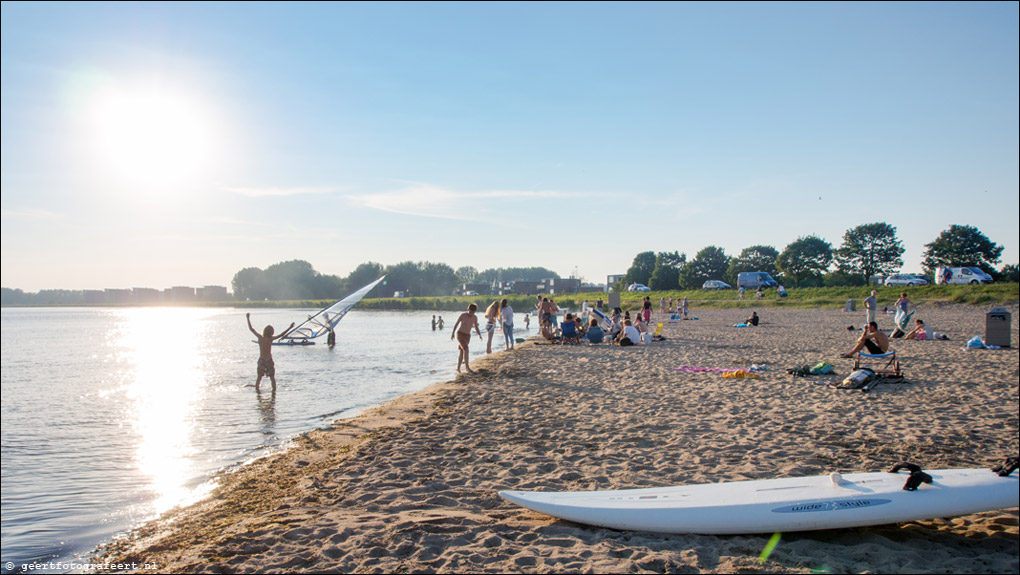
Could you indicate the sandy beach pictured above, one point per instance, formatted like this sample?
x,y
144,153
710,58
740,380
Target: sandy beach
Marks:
x,y
412,486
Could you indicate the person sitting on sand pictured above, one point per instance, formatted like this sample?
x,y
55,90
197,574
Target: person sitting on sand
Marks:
x,y
753,320
874,340
629,335
920,331
547,331
462,330
265,341
570,333
595,334
641,326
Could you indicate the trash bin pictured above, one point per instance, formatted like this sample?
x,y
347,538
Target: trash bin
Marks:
x,y
998,324
851,305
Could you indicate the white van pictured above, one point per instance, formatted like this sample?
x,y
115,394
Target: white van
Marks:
x,y
960,276
752,280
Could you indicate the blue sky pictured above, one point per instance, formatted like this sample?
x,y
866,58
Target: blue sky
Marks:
x,y
158,144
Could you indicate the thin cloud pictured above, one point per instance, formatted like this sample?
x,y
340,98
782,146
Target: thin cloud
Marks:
x,y
431,201
30,213
277,192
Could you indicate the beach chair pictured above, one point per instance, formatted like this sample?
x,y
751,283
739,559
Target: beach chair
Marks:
x,y
569,333
891,369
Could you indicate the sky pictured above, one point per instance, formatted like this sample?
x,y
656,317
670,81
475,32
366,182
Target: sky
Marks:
x,y
162,144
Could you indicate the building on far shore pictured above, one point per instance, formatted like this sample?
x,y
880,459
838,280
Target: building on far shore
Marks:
x,y
179,294
212,293
611,280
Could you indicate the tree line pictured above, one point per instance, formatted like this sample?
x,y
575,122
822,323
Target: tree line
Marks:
x,y
867,251
297,280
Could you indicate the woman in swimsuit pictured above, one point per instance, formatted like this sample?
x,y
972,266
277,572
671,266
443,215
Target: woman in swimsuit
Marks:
x,y
462,331
491,313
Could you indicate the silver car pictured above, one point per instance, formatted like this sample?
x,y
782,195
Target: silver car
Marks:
x,y
904,280
715,284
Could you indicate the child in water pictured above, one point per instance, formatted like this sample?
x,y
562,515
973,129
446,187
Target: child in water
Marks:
x,y
265,341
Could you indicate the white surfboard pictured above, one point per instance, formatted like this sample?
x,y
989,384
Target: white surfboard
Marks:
x,y
780,505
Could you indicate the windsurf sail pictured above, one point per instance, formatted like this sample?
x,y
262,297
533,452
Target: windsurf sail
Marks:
x,y
326,319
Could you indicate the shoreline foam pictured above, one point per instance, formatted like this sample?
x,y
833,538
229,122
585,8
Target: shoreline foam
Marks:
x,y
411,486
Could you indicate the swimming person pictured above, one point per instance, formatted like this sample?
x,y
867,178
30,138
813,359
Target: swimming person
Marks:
x,y
265,341
462,330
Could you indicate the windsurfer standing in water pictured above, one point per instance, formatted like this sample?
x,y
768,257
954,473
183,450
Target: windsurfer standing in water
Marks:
x,y
265,341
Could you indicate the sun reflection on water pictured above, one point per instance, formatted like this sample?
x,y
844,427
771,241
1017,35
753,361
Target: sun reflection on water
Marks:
x,y
163,350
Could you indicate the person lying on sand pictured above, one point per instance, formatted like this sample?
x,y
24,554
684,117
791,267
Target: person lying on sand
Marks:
x,y
874,340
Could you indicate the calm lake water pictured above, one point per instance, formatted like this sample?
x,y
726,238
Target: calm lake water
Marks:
x,y
113,416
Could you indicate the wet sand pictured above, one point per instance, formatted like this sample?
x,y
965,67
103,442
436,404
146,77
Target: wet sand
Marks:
x,y
412,486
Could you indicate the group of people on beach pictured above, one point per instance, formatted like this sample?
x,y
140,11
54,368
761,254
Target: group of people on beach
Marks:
x,y
498,312
874,340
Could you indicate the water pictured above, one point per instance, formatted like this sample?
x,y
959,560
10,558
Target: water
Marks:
x,y
113,416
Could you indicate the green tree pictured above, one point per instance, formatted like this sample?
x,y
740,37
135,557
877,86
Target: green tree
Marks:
x,y
1010,273
249,284
753,259
641,269
363,275
666,275
807,257
466,274
869,250
962,246
709,264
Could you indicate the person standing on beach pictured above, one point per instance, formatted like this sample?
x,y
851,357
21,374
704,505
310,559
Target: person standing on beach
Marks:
x,y
506,313
647,309
685,307
462,331
491,313
871,307
265,341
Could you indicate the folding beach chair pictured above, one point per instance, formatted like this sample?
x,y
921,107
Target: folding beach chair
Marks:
x,y
891,369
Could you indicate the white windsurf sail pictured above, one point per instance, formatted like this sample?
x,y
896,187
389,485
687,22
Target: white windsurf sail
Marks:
x,y
326,319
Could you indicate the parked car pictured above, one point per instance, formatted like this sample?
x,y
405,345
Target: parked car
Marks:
x,y
754,280
921,280
470,293
638,287
957,276
715,284
903,280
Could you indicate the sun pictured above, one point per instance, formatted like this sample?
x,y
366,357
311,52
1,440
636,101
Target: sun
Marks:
x,y
151,136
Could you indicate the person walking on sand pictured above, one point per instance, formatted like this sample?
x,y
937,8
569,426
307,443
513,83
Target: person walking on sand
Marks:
x,y
462,330
265,341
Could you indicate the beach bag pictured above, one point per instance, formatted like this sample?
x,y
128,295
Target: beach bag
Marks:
x,y
821,368
859,378
976,342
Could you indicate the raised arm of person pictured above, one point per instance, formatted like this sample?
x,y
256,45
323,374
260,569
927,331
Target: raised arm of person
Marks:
x,y
257,334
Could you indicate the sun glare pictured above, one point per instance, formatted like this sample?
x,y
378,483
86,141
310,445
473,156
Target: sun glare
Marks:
x,y
151,137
